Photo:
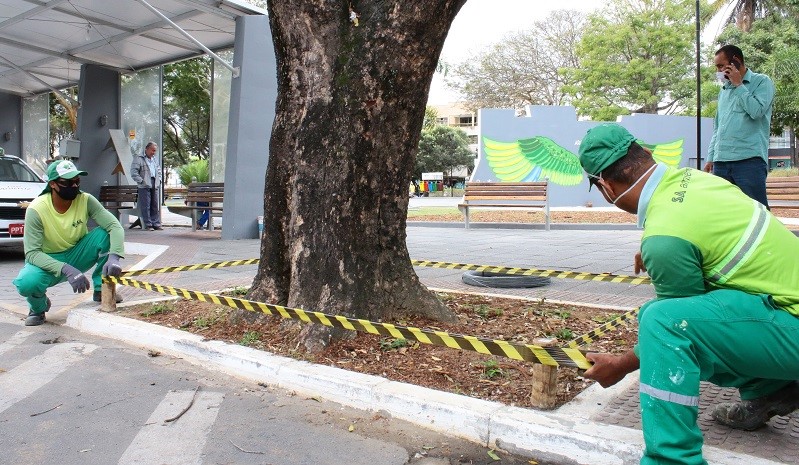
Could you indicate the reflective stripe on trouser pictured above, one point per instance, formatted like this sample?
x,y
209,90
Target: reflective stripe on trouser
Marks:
x,y
32,282
727,337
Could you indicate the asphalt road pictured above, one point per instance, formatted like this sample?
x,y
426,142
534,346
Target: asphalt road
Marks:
x,y
74,399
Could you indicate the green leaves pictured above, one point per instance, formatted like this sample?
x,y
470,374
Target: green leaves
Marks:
x,y
444,149
635,57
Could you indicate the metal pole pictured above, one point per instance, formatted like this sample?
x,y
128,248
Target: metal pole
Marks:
x,y
234,70
698,94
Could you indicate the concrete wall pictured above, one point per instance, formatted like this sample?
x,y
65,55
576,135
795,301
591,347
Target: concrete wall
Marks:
x,y
560,124
11,122
252,110
99,95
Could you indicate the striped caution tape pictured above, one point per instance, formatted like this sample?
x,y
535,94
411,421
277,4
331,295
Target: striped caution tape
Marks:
x,y
583,276
591,336
199,266
553,356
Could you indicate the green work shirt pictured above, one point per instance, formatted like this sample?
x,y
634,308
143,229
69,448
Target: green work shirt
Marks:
x,y
691,246
743,118
47,231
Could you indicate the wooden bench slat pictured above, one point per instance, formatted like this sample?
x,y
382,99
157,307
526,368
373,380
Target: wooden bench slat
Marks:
x,y
212,193
115,197
783,193
505,195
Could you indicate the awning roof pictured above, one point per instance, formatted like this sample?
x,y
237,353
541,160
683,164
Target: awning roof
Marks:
x,y
52,39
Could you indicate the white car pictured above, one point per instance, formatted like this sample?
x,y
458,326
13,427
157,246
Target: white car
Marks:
x,y
19,185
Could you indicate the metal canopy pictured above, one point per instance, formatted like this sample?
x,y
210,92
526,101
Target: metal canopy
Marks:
x,y
44,43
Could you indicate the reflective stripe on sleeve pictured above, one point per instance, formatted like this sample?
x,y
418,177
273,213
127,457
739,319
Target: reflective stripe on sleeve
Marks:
x,y
750,239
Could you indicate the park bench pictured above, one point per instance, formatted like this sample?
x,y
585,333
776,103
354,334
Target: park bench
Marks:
x,y
505,195
783,192
210,194
118,197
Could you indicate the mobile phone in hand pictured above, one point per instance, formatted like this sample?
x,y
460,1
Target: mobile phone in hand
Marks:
x,y
734,61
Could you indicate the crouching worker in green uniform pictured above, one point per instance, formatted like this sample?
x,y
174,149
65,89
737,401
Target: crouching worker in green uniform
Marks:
x,y
58,245
726,276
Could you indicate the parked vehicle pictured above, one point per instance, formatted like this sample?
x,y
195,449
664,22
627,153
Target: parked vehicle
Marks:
x,y
19,185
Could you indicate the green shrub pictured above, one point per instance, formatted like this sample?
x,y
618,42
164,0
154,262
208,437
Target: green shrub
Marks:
x,y
783,172
197,169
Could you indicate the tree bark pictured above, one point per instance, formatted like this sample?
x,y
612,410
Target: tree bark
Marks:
x,y
351,101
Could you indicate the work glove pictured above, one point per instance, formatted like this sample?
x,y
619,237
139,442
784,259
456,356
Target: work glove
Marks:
x,y
112,266
76,279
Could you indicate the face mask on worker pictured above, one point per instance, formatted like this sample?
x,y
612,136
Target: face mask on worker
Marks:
x,y
722,77
629,188
68,192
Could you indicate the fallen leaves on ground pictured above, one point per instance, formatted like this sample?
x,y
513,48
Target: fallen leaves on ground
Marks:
x,y
463,372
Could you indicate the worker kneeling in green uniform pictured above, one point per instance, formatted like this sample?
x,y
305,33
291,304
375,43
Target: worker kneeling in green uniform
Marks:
x,y
726,275
58,244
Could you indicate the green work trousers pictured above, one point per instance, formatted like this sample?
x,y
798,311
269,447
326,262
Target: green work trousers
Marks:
x,y
727,337
32,282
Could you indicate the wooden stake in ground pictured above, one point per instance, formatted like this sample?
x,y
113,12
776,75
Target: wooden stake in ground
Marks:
x,y
108,302
545,381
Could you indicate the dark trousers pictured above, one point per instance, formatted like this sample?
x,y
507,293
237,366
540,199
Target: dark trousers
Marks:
x,y
149,207
749,175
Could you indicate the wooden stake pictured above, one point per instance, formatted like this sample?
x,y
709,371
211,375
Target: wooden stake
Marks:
x,y
108,302
545,381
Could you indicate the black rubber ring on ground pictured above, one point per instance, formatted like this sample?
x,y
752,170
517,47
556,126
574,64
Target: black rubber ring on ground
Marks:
x,y
505,281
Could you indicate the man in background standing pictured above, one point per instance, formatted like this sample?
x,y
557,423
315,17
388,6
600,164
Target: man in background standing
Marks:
x,y
146,171
739,147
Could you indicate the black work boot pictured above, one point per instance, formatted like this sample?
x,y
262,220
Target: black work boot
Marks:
x,y
752,414
36,319
98,296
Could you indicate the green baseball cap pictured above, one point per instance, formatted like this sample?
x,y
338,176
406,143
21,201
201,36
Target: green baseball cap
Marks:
x,y
602,146
61,169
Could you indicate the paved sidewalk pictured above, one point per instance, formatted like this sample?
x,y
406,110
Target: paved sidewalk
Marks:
x,y
601,426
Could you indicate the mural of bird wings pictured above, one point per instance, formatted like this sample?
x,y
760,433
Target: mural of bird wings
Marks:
x,y
531,160
540,157
669,153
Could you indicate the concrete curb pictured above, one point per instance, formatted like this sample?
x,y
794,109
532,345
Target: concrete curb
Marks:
x,y
557,438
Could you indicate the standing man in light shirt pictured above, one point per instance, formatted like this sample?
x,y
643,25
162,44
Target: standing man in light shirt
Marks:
x,y
738,150
146,171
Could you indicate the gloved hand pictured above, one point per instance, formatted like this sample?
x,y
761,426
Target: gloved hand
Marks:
x,y
112,266
78,281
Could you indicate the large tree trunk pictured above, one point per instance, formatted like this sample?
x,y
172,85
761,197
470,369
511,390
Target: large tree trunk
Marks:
x,y
351,101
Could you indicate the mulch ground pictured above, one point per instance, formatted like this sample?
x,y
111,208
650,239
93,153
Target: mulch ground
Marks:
x,y
462,372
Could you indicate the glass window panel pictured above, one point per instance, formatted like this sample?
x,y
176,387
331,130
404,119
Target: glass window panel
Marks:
x,y
141,108
36,131
220,115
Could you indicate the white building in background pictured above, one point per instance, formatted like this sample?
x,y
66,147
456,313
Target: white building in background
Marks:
x,y
454,115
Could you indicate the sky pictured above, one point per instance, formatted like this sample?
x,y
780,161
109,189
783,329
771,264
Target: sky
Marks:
x,y
481,23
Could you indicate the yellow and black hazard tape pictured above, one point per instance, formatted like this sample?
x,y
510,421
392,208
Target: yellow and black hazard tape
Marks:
x,y
579,275
553,356
199,266
591,336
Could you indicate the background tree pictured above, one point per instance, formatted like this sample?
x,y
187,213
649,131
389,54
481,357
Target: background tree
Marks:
x,y
443,149
63,117
351,101
430,118
522,69
187,111
744,12
636,56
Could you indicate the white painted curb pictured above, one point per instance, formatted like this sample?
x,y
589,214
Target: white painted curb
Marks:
x,y
558,438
